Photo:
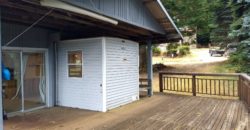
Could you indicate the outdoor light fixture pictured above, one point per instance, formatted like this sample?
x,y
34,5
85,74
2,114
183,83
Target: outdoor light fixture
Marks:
x,y
65,6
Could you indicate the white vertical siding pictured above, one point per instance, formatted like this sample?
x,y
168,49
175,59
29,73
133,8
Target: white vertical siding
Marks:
x,y
85,92
122,74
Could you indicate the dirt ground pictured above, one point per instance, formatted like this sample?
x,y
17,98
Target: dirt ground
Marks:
x,y
197,56
198,61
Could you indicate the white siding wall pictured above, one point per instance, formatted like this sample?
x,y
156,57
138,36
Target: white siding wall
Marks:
x,y
83,92
122,74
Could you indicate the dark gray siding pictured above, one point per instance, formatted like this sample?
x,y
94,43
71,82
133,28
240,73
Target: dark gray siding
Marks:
x,y
130,11
35,37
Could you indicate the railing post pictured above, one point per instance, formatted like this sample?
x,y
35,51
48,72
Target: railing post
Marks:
x,y
194,85
239,87
160,82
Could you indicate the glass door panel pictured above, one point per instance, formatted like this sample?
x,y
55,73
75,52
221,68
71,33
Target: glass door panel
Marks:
x,y
34,84
12,98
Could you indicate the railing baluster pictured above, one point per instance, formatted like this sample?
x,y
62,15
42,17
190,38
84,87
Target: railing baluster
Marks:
x,y
181,84
201,86
176,82
214,87
224,87
210,84
164,85
206,86
233,88
219,87
185,84
198,88
172,83
188,85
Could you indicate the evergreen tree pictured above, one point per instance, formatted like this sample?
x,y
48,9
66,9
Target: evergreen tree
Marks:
x,y
195,15
240,32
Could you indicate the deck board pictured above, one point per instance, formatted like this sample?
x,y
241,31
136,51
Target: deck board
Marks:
x,y
159,112
193,113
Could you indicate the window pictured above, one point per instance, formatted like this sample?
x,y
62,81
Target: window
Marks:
x,y
75,64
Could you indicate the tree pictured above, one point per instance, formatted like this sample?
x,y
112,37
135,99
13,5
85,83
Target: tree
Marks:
x,y
223,19
240,29
195,15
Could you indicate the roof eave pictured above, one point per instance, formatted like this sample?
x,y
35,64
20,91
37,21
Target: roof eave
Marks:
x,y
170,19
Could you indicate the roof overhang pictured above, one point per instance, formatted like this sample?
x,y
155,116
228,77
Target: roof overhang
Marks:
x,y
68,7
77,22
162,16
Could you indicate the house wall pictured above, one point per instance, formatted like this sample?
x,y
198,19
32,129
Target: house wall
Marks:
x,y
36,37
130,11
85,92
122,72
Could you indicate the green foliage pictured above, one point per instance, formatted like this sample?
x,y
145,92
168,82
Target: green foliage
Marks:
x,y
156,51
172,49
196,15
172,46
240,60
184,50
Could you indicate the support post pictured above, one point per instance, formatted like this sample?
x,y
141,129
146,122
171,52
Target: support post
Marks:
x,y
193,85
1,87
160,82
149,67
54,38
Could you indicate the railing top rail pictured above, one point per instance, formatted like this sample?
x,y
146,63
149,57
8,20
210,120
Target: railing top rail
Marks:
x,y
246,77
202,74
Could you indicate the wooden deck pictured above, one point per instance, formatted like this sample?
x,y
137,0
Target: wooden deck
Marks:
x,y
157,112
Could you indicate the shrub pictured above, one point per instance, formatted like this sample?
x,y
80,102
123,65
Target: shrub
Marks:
x,y
172,49
172,46
156,51
185,44
184,50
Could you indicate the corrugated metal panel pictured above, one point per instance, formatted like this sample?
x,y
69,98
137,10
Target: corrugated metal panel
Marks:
x,y
122,72
130,11
83,92
35,37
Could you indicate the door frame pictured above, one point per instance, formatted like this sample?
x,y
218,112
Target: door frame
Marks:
x,y
46,67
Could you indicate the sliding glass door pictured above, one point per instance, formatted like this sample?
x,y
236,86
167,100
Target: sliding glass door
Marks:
x,y
34,85
12,98
27,88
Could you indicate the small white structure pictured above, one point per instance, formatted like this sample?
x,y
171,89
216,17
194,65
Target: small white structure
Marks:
x,y
97,73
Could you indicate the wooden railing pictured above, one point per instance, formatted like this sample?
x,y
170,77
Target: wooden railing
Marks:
x,y
200,83
230,85
244,89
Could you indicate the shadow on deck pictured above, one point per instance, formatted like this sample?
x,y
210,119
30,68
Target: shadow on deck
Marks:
x,y
158,112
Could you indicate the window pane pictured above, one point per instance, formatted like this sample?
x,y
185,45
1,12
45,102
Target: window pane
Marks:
x,y
75,57
75,71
